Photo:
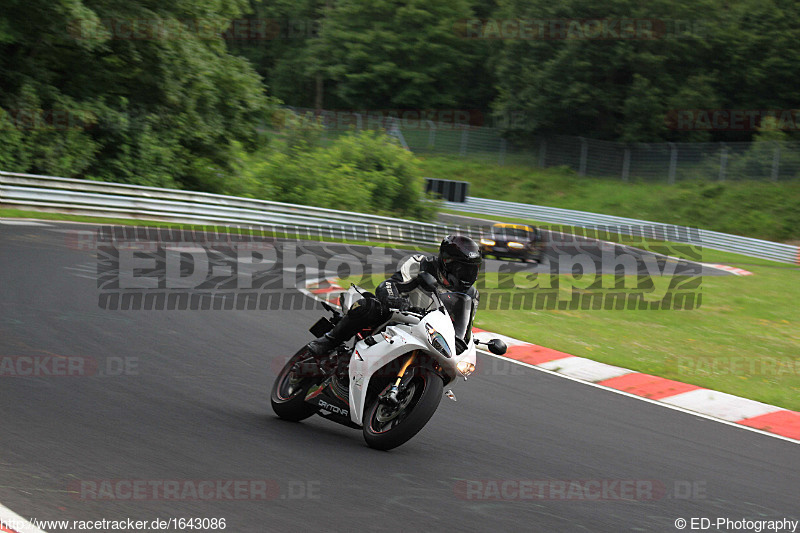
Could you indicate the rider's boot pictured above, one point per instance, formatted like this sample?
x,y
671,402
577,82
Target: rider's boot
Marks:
x,y
321,347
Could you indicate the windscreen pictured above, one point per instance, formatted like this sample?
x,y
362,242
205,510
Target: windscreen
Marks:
x,y
459,305
512,233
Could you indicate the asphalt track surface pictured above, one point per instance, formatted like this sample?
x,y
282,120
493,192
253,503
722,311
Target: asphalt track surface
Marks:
x,y
193,406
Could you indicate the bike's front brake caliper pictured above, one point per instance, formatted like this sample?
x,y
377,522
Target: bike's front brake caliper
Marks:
x,y
392,396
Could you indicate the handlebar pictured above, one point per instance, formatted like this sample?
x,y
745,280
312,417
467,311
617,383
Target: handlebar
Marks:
x,y
411,315
409,310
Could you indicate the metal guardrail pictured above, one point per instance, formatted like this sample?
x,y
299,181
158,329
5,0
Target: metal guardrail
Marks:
x,y
135,201
627,226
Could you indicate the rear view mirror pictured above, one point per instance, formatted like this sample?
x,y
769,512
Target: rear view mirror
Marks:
x,y
497,347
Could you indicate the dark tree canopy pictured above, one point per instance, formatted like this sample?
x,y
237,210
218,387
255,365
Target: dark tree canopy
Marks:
x,y
177,93
142,106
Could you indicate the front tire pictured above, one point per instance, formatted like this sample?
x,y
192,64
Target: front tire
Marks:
x,y
386,428
289,391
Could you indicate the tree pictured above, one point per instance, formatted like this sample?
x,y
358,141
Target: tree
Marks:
x,y
403,55
284,56
702,55
150,92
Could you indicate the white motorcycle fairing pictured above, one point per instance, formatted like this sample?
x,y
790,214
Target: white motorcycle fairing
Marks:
x,y
395,377
408,333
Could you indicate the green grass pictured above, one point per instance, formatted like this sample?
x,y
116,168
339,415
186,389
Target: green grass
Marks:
x,y
744,339
761,209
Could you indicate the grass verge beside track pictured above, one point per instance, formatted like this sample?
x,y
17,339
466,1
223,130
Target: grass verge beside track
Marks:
x,y
744,339
762,209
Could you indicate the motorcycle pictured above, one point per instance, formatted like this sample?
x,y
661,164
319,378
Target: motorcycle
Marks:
x,y
391,381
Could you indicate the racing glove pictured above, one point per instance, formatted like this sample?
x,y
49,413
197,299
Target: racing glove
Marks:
x,y
401,303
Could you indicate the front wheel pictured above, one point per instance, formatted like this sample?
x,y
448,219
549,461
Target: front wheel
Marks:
x,y
388,427
290,388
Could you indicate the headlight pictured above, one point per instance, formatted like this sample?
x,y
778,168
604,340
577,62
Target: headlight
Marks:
x,y
488,242
437,341
516,245
465,367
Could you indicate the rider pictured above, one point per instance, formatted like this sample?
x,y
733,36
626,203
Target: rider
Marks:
x,y
455,269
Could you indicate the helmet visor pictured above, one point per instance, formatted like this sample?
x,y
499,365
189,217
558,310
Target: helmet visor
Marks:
x,y
464,273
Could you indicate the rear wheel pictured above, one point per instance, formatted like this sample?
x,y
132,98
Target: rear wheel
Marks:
x,y
290,388
386,427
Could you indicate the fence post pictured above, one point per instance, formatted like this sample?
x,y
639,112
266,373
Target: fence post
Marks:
x,y
673,163
584,154
626,163
542,152
776,161
431,135
723,161
394,130
502,159
463,141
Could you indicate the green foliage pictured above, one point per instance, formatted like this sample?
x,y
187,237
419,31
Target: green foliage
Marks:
x,y
286,57
372,54
383,55
80,97
153,109
362,172
758,160
709,54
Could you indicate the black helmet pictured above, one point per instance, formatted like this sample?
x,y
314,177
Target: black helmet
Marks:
x,y
460,259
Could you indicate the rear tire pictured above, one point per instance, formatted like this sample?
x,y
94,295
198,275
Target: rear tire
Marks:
x,y
289,392
385,428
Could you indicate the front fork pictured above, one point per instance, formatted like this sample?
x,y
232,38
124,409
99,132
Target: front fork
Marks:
x,y
390,397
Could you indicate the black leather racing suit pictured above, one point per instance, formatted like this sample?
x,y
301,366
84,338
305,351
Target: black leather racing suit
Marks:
x,y
372,311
